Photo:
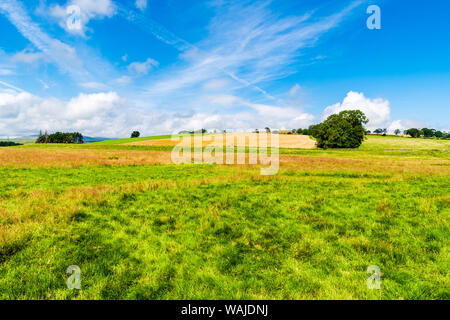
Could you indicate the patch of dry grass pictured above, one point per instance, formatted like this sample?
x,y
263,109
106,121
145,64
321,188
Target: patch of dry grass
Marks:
x,y
74,158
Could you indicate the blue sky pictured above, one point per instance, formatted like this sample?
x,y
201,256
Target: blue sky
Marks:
x,y
165,66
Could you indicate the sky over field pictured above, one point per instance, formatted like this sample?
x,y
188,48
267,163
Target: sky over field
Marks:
x,y
165,66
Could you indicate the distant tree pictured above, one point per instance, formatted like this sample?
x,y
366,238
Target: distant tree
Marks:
x,y
384,131
256,131
428,133
267,129
397,132
204,131
135,134
368,131
9,144
413,132
343,130
61,137
439,134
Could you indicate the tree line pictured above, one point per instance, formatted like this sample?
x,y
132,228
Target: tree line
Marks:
x,y
427,133
417,133
413,132
9,144
60,137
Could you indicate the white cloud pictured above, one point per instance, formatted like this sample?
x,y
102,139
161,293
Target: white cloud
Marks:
x,y
282,117
294,90
123,80
377,110
216,84
6,72
24,113
224,100
94,85
11,104
404,125
27,56
142,68
262,115
86,106
107,114
141,4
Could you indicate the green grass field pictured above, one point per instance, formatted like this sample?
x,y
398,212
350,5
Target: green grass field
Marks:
x,y
144,230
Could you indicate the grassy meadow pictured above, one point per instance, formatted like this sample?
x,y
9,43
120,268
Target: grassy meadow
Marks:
x,y
140,227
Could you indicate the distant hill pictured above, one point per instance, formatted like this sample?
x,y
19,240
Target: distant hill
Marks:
x,y
32,139
95,139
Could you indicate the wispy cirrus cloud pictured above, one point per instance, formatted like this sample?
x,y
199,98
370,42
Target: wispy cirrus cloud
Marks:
x,y
223,81
61,54
250,45
28,56
82,64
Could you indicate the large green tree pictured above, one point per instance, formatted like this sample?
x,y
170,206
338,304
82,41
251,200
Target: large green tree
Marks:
x,y
343,130
413,132
428,133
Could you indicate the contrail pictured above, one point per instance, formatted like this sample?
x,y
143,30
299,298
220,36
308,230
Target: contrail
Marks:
x,y
164,35
11,86
153,27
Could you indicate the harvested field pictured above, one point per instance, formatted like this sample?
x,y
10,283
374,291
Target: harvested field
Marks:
x,y
236,139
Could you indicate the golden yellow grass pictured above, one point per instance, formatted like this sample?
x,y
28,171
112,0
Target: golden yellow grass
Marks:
x,y
237,139
402,143
400,166
74,158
